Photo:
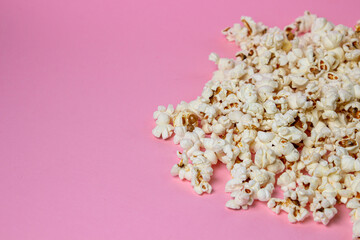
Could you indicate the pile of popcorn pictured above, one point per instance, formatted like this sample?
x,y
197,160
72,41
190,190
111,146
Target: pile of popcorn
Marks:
x,y
284,112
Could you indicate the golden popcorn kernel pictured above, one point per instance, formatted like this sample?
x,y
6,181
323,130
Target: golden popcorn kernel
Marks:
x,y
190,128
193,119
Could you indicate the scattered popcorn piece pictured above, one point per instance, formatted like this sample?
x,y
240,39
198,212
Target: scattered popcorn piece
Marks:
x,y
323,208
163,118
296,213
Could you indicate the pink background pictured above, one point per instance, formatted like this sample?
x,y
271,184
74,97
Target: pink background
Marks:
x,y
79,81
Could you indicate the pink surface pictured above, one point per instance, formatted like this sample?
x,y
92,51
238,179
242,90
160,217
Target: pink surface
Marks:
x,y
79,81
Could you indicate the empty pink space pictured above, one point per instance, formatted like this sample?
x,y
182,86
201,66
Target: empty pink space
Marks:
x,y
79,81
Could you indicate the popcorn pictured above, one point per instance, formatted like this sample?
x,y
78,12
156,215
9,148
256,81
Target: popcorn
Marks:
x,y
356,230
331,40
264,158
183,168
264,194
163,118
179,134
286,106
350,164
287,180
190,143
323,208
242,199
296,213
187,119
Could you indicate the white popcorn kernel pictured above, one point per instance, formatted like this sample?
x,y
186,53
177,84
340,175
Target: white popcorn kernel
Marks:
x,y
353,203
163,127
238,71
270,107
235,116
203,187
299,101
163,118
321,26
276,167
261,176
275,204
225,64
350,164
355,215
331,40
179,134
263,158
291,134
299,82
324,215
283,60
183,168
232,204
265,137
264,194
250,25
323,208
175,170
353,55
254,109
211,156
287,180
207,93
356,230
243,197
214,57
296,213
304,23
355,184
247,94
234,184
